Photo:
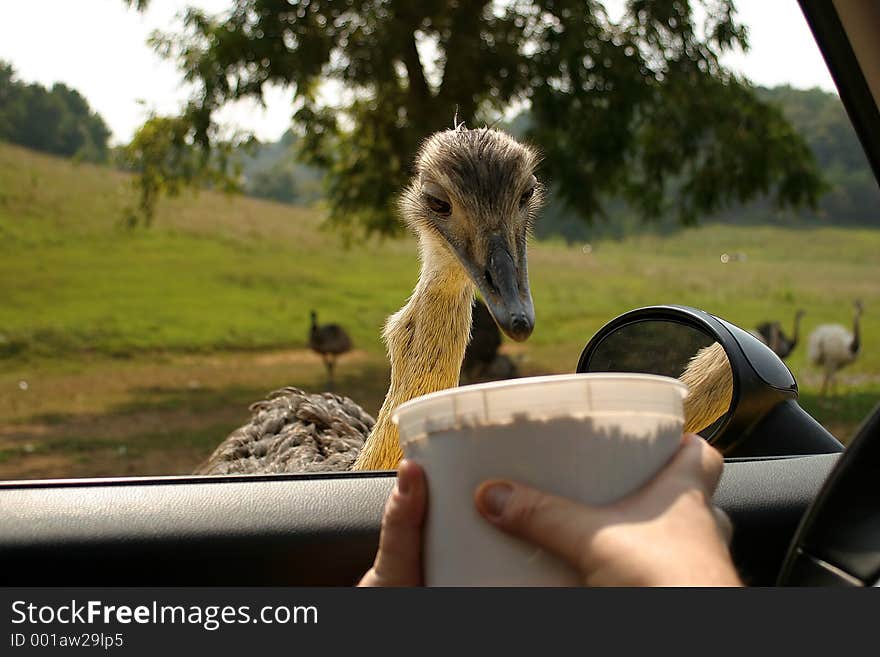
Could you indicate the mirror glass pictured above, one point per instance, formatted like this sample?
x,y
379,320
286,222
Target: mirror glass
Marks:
x,y
679,351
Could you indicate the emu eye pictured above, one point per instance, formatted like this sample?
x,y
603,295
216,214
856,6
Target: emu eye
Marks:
x,y
438,206
526,196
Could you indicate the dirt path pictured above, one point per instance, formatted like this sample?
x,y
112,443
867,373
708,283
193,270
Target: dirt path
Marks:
x,y
164,414
152,416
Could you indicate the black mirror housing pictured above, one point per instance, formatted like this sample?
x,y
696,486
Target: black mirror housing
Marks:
x,y
764,418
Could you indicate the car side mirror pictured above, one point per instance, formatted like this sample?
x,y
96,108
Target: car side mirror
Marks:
x,y
743,398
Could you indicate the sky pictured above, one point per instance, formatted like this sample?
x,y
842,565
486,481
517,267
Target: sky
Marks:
x,y
99,48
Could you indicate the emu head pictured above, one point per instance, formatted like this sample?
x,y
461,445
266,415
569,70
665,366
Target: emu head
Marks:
x,y
475,195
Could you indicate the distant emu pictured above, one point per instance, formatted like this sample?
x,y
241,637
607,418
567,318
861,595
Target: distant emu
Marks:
x,y
770,333
483,345
482,360
329,341
832,347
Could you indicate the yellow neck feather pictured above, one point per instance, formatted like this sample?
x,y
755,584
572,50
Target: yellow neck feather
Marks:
x,y
710,380
426,340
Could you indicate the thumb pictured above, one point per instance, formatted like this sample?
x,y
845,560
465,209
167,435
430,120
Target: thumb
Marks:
x,y
398,560
557,524
696,466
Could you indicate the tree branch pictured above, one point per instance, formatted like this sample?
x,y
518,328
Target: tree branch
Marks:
x,y
418,84
406,24
461,74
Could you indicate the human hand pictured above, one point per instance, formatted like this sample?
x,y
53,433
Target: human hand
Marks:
x,y
399,558
665,534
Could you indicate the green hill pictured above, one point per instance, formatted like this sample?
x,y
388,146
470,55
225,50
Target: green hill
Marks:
x,y
230,272
853,197
115,322
217,272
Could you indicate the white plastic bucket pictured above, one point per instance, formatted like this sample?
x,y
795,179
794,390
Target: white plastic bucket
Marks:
x,y
589,437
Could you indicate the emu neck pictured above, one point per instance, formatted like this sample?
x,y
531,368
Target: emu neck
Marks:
x,y
710,381
426,340
856,341
797,328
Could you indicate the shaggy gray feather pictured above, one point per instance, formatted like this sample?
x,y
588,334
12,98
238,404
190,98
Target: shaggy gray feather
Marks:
x,y
294,431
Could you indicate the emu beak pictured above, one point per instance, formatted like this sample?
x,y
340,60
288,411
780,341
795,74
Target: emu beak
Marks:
x,y
504,285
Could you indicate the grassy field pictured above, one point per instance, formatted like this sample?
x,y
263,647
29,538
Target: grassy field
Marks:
x,y
136,352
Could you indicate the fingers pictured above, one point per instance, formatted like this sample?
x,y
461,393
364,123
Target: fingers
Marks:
x,y
725,525
554,523
696,465
699,463
711,464
566,528
399,561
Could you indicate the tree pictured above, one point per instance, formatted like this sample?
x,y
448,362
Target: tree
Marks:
x,y
639,108
819,116
277,183
166,161
57,121
270,170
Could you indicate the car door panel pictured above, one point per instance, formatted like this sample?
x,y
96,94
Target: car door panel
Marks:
x,y
296,529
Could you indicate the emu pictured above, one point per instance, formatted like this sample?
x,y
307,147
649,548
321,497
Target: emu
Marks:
x,y
709,378
771,334
471,203
329,341
832,347
482,360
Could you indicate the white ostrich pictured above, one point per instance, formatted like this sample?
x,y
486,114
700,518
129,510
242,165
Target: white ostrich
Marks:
x,y
832,346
